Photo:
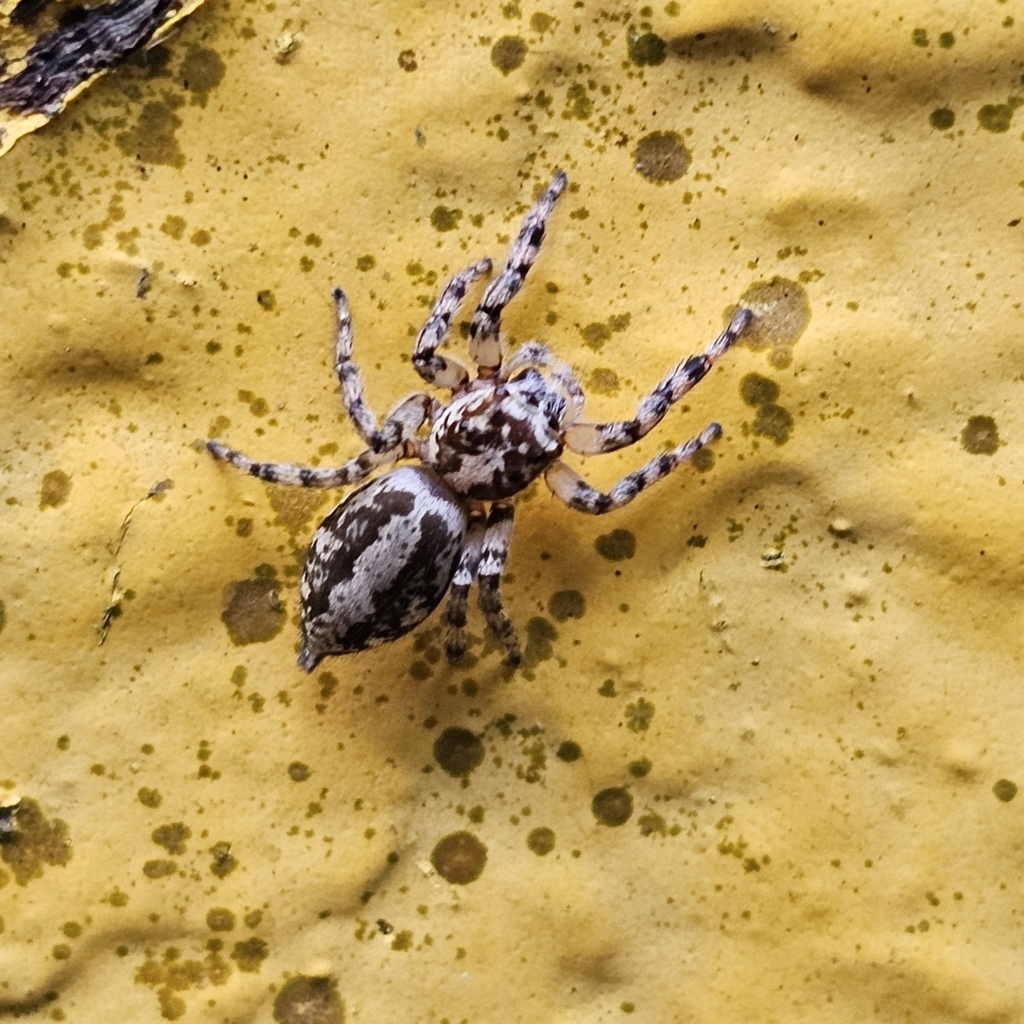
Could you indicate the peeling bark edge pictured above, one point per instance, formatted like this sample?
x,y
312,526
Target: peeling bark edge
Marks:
x,y
86,42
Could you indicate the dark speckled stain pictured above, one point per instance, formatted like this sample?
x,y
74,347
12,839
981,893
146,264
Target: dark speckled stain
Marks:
x,y
305,1000
224,861
756,390
646,50
55,489
567,604
458,751
540,636
250,954
508,53
220,919
616,546
613,806
980,436
773,421
173,838
661,157
253,612
1005,790
201,71
153,140
36,841
459,858
569,751
541,841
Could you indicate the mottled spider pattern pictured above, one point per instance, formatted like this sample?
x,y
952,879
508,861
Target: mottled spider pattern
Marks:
x,y
385,557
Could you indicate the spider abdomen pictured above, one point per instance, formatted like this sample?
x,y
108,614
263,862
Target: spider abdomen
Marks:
x,y
380,563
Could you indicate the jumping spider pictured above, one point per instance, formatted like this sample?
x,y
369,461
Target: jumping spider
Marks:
x,y
383,559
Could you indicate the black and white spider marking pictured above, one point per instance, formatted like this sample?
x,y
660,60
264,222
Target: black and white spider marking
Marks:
x,y
382,561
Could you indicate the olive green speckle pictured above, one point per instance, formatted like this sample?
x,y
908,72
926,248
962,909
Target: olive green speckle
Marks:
x,y
639,715
36,842
756,390
62,951
55,489
919,37
946,40
569,751
202,70
402,942
781,311
220,919
616,546
149,797
997,117
980,436
174,226
661,157
613,806
541,22
942,119
253,613
647,49
607,688
173,838
152,140
306,1000
365,263
444,219
159,868
541,841
508,53
298,772
72,929
224,861
201,237
1005,790
595,335
459,858
638,769
773,421
250,954
458,751
603,381
266,299
540,635
64,742
567,604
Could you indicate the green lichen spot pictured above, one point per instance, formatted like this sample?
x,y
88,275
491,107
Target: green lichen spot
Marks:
x,y
36,842
781,311
459,858
402,942
444,219
567,604
997,117
578,105
540,635
220,919
253,612
541,841
61,951
295,506
306,264
64,742
919,37
298,772
613,806
569,751
540,22
172,838
202,70
616,546
55,490
92,236
266,299
661,157
943,119
458,751
638,769
946,40
250,954
201,237
595,335
174,226
224,861
309,1000
607,688
72,929
149,797
647,49
152,140
508,53
980,436
365,263
773,421
603,381
159,868
1005,790
756,390
639,715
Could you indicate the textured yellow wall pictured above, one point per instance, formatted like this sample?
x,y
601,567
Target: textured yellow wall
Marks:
x,y
797,672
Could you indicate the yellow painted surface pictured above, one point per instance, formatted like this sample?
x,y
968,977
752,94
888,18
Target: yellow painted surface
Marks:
x,y
807,676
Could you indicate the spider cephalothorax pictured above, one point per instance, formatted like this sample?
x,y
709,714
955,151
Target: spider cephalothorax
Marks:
x,y
384,558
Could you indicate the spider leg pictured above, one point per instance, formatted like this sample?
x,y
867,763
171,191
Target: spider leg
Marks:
x,y
434,369
598,438
455,642
484,342
300,476
567,484
492,562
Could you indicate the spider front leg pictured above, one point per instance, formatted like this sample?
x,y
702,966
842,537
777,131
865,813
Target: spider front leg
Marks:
x,y
403,422
484,341
567,484
458,597
434,369
496,542
598,438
